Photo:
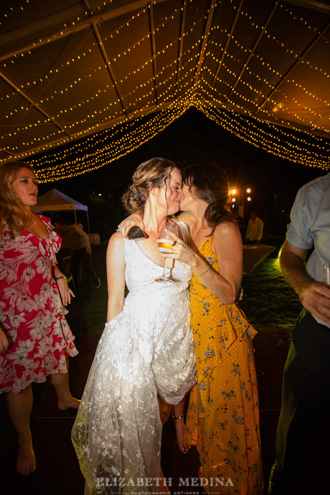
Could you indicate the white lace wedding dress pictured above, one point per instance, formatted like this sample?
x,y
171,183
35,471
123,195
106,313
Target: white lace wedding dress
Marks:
x,y
145,351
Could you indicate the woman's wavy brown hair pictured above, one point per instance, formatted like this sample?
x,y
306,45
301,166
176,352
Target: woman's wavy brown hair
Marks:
x,y
152,173
12,210
212,186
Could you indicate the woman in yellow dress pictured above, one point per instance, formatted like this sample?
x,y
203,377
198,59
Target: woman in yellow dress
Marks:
x,y
223,413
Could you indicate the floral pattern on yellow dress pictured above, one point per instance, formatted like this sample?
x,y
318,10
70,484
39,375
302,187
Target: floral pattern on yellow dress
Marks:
x,y
223,413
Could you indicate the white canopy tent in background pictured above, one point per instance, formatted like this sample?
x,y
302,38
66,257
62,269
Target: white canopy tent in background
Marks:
x,y
54,200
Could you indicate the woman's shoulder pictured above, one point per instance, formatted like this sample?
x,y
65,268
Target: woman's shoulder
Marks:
x,y
116,249
116,237
226,228
116,241
7,236
187,218
5,230
43,218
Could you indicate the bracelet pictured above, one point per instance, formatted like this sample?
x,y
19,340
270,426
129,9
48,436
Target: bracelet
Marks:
x,y
200,274
61,277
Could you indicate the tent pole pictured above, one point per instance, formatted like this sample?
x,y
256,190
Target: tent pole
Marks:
x,y
88,229
75,216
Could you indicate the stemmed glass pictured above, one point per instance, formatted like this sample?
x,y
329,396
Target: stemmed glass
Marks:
x,y
165,241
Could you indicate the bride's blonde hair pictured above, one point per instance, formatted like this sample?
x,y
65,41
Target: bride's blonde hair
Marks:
x,y
152,173
12,210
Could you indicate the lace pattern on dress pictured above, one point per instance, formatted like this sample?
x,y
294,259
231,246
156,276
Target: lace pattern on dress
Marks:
x,y
144,351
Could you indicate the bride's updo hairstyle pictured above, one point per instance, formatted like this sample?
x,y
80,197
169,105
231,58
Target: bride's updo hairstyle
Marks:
x,y
209,182
153,173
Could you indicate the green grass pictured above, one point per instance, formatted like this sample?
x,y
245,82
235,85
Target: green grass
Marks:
x,y
268,300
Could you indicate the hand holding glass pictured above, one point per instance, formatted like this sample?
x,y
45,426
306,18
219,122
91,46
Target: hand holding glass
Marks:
x,y
165,241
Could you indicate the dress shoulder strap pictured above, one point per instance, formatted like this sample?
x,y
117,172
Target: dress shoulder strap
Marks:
x,y
184,230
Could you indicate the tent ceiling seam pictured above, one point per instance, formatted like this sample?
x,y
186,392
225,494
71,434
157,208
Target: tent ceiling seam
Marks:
x,y
293,66
262,32
8,39
205,36
33,103
153,47
180,47
229,38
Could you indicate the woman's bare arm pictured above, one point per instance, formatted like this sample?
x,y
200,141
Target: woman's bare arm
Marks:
x,y
115,260
227,245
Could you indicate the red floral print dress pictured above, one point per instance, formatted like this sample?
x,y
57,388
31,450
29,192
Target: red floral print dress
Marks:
x,y
31,311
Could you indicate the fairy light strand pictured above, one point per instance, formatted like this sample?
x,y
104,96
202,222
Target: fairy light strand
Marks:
x,y
90,148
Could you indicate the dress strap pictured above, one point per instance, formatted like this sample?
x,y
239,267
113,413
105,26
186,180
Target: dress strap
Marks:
x,y
184,230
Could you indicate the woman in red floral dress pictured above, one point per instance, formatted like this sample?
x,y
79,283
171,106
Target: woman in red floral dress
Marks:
x,y
35,339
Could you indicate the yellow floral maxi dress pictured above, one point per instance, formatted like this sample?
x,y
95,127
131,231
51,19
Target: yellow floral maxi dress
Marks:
x,y
223,413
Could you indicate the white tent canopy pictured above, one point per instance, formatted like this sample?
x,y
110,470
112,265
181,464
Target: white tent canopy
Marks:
x,y
54,200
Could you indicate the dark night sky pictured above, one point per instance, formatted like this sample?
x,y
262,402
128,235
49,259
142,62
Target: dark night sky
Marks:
x,y
194,138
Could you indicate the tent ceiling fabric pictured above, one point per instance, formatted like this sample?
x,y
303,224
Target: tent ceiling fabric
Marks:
x,y
117,72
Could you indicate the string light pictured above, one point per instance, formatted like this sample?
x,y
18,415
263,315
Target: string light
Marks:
x,y
235,108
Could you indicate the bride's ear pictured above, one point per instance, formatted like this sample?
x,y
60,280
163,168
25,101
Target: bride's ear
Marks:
x,y
155,191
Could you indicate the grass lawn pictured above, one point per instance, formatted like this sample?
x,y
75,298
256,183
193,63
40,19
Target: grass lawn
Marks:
x,y
268,300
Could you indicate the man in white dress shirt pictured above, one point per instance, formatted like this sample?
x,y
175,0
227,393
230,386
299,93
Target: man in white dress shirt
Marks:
x,y
305,411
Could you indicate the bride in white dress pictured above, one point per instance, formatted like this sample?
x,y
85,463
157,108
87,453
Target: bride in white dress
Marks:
x,y
146,350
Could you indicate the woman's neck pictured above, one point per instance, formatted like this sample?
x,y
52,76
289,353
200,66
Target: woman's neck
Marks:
x,y
29,214
198,210
153,218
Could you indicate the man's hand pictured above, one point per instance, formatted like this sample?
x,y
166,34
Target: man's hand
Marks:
x,y
314,296
316,299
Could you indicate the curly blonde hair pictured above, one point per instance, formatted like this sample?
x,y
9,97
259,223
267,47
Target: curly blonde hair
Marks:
x,y
12,210
152,173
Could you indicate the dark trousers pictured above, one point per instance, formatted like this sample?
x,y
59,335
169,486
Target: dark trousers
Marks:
x,y
81,257
305,410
